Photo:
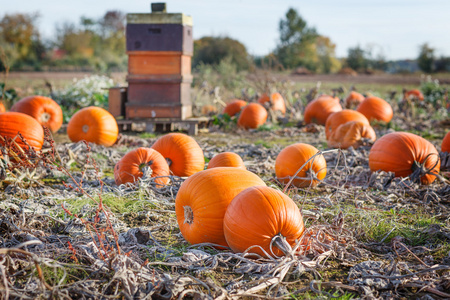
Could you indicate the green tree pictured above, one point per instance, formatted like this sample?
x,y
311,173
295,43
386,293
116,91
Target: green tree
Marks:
x,y
426,58
356,59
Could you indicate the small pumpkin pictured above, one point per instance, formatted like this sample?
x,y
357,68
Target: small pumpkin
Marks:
x,y
341,117
11,123
182,152
226,159
44,109
413,94
351,134
353,99
262,216
275,101
405,154
252,116
203,198
93,124
209,110
318,110
131,166
234,107
375,108
2,107
445,146
292,158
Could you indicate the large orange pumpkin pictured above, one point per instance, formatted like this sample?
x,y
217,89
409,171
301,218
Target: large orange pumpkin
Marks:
x,y
131,166
11,123
341,117
203,198
375,108
262,216
234,107
183,154
318,110
413,94
351,134
93,124
2,107
354,99
252,116
44,109
445,146
405,153
292,158
226,159
275,100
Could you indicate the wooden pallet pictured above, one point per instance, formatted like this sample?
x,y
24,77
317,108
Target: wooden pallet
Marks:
x,y
190,125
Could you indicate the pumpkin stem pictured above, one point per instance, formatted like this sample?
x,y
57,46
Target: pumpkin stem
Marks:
x,y
280,242
45,117
419,170
85,128
188,215
147,164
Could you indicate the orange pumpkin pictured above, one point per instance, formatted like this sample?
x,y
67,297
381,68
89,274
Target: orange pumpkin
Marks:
x,y
318,110
354,99
262,216
445,147
44,109
131,166
234,107
93,124
183,154
226,159
11,123
405,153
275,100
252,116
2,107
341,117
351,134
203,198
413,95
375,108
209,110
292,158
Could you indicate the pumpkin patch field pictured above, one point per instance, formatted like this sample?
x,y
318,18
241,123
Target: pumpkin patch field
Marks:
x,y
295,190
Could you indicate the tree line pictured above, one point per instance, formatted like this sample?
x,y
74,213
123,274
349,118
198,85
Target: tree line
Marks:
x,y
99,45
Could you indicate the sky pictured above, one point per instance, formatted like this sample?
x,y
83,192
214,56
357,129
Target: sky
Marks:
x,y
392,28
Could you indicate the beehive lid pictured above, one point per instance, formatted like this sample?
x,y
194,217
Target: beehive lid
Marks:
x,y
160,18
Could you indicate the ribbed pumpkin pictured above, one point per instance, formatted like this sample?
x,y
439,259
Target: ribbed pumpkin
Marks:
x,y
445,146
226,159
351,134
183,154
354,99
375,108
262,216
131,166
203,198
291,158
234,107
93,124
341,117
275,100
252,116
2,107
11,123
405,153
318,110
44,109
414,95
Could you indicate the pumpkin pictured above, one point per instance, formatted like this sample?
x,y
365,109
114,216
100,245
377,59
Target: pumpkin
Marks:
x,y
262,216
413,95
44,109
131,166
405,154
203,198
11,123
209,110
2,107
375,108
275,101
183,154
292,158
234,107
354,99
226,159
341,117
318,110
252,116
351,134
93,124
445,147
